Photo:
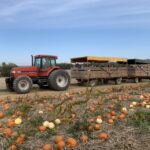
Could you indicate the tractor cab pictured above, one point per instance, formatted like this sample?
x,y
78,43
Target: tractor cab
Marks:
x,y
44,61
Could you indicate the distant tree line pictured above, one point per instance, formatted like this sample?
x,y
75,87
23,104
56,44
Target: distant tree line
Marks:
x,y
65,65
5,69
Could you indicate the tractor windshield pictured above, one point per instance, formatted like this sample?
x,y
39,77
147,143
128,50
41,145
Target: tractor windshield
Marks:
x,y
45,62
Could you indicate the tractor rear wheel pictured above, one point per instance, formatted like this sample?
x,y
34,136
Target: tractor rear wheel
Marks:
x,y
59,80
22,85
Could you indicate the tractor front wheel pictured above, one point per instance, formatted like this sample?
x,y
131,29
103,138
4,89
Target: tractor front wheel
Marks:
x,y
22,85
9,84
59,80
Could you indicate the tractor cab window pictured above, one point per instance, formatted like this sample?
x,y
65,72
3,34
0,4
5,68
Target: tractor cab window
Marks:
x,y
37,62
53,62
46,63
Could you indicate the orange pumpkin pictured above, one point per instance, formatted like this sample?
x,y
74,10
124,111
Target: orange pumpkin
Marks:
x,y
71,143
111,121
60,145
8,132
113,113
1,115
13,147
97,127
122,117
103,136
47,147
91,128
42,128
11,124
58,139
125,112
6,107
19,140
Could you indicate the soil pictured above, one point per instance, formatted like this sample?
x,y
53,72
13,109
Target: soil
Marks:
x,y
74,87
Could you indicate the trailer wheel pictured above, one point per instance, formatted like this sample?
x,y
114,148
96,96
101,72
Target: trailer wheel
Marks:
x,y
59,80
91,83
22,85
136,80
118,81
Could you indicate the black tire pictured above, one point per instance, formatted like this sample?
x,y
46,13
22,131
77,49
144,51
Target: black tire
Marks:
x,y
118,81
136,80
41,86
19,85
9,84
91,83
56,79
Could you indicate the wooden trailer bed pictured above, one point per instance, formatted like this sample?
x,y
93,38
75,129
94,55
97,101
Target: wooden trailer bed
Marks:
x,y
89,68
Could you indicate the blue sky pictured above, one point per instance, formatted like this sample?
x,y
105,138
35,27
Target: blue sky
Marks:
x,y
72,28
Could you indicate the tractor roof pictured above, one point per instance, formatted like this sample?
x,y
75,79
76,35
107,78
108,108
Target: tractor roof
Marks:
x,y
49,56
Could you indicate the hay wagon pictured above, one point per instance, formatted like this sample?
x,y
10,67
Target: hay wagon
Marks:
x,y
92,70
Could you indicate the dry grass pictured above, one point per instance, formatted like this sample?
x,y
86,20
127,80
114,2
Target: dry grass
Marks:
x,y
123,134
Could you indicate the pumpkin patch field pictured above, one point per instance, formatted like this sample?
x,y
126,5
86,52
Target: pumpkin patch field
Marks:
x,y
114,118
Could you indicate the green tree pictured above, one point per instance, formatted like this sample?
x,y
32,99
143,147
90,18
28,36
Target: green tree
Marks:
x,y
6,68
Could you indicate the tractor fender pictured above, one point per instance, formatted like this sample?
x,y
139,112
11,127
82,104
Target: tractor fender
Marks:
x,y
50,71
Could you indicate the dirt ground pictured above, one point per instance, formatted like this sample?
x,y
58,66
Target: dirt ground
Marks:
x,y
4,93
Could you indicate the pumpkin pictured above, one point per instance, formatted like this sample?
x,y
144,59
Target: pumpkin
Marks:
x,y
108,116
99,121
113,113
131,106
1,115
51,125
103,136
141,97
84,138
42,128
11,124
57,121
73,115
47,147
97,127
134,103
111,121
122,116
91,128
46,124
8,132
18,121
13,147
20,140
60,145
148,106
58,139
41,112
6,107
71,143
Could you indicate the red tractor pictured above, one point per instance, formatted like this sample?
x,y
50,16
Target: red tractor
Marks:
x,y
43,72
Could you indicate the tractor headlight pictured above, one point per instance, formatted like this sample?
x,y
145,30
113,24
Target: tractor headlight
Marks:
x,y
13,71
